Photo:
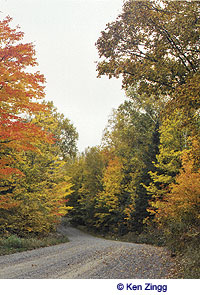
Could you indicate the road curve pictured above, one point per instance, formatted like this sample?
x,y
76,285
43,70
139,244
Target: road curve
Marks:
x,y
88,257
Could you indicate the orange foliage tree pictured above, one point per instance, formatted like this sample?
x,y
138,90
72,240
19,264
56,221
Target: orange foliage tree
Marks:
x,y
20,90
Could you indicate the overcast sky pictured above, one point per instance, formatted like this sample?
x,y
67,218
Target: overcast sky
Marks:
x,y
64,33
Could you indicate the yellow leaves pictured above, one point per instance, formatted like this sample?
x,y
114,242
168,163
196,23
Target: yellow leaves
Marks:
x,y
181,204
112,185
41,193
128,212
173,140
33,184
113,176
114,204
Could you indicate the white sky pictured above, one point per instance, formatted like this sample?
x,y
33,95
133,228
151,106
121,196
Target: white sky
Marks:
x,y
64,33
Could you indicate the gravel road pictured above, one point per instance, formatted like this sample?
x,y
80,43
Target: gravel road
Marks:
x,y
88,257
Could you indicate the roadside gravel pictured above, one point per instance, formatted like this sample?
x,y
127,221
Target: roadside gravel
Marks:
x,y
88,257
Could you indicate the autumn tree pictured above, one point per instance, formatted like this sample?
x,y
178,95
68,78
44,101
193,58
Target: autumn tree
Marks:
x,y
154,47
178,214
115,202
63,130
42,192
19,91
86,172
181,204
154,44
75,169
35,143
132,134
173,140
107,202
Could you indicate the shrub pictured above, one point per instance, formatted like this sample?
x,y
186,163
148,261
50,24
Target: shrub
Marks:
x,y
13,242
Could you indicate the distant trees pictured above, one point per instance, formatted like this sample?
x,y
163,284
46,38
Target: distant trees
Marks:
x,y
86,173
108,178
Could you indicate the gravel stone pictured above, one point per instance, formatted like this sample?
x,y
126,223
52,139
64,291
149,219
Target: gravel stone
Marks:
x,y
88,257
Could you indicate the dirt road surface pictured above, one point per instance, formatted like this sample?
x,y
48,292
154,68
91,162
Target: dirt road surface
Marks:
x,y
88,257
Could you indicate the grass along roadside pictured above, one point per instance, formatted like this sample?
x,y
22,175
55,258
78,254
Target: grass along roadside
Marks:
x,y
13,243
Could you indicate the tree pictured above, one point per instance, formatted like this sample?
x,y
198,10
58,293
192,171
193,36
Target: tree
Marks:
x,y
64,132
178,214
75,170
19,91
33,182
132,135
140,212
108,205
173,140
154,44
86,172
41,194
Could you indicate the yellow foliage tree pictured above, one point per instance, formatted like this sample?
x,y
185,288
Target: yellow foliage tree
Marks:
x,y
40,194
114,203
179,213
173,140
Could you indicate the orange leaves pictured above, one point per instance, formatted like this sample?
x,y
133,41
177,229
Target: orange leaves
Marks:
x,y
33,183
7,203
20,135
6,31
185,194
19,90
7,171
17,85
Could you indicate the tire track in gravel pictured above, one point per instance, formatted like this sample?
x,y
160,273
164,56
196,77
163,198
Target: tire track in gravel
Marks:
x,y
88,257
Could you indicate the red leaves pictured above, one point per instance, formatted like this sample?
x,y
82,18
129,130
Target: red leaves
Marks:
x,y
19,90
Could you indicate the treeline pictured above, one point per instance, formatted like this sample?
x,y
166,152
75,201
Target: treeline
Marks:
x,y
146,171
36,142
146,174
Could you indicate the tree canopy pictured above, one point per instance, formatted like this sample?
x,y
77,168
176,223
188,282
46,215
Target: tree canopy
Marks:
x,y
152,43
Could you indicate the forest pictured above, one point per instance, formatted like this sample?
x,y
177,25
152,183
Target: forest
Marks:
x,y
143,181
